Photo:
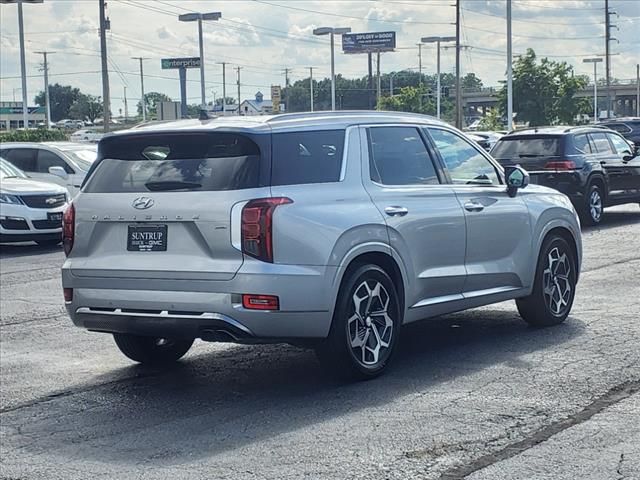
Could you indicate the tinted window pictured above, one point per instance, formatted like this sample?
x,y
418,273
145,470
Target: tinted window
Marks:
x,y
619,127
599,140
465,163
620,144
48,159
398,156
83,158
581,143
526,147
306,157
23,158
193,162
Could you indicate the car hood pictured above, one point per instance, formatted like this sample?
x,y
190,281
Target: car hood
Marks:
x,y
18,186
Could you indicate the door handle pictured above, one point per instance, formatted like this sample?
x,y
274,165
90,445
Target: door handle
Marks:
x,y
473,207
394,210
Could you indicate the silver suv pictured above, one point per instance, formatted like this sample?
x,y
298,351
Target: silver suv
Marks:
x,y
329,230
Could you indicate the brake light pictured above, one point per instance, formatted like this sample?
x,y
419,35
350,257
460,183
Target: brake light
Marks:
x,y
560,165
257,227
68,229
68,294
260,302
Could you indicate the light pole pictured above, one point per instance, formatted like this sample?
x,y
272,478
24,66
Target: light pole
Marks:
x,y
143,100
23,67
438,41
199,17
311,87
595,62
332,31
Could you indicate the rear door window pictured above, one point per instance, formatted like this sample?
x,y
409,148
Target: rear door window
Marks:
x,y
306,157
599,140
398,156
23,158
581,143
177,162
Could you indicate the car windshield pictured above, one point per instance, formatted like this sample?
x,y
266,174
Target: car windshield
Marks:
x,y
83,157
9,171
527,146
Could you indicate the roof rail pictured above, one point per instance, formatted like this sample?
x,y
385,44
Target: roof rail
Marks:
x,y
343,113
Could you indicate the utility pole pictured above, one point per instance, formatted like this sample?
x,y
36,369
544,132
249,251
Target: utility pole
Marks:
x,y
238,70
638,90
286,86
126,107
420,72
509,70
378,92
224,89
46,88
143,100
311,87
104,26
607,23
458,84
370,80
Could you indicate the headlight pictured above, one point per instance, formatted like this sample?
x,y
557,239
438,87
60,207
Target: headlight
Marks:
x,y
13,199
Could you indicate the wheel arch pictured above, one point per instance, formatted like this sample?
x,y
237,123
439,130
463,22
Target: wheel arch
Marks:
x,y
598,178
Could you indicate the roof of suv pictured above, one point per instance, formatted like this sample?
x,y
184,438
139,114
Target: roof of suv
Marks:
x,y
558,130
287,121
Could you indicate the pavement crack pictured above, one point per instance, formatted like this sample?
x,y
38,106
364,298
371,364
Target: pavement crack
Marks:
x,y
613,396
619,469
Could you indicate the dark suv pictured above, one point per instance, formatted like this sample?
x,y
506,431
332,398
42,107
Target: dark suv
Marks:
x,y
594,166
629,128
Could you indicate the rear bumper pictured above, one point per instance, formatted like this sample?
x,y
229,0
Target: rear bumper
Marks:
x,y
572,184
211,310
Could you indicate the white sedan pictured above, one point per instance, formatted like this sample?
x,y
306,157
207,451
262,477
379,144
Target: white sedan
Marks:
x,y
30,210
86,136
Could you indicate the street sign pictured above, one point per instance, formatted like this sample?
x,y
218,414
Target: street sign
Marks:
x,y
191,62
368,42
276,97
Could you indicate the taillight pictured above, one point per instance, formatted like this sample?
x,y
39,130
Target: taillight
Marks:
x,y
68,294
257,226
560,165
260,302
68,228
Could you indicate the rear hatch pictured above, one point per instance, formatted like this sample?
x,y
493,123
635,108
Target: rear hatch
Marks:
x,y
532,152
159,205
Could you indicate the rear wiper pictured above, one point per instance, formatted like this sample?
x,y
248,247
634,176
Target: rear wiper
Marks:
x,y
171,185
529,155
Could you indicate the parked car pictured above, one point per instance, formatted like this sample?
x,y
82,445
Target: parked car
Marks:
x,y
67,123
629,128
595,167
29,210
480,140
491,138
64,163
86,135
328,230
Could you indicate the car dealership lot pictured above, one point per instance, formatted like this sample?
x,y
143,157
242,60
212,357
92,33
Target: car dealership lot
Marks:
x,y
470,394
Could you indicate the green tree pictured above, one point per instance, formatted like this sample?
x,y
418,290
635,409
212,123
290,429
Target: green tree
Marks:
x,y
61,98
229,101
86,107
152,99
491,121
408,100
470,82
544,92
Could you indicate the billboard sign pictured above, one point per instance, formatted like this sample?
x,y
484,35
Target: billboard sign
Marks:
x,y
191,62
368,42
276,97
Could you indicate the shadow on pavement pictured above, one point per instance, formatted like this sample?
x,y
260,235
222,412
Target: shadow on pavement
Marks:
x,y
24,249
223,400
616,218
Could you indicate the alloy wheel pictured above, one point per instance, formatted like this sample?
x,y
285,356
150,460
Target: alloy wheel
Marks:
x,y
556,280
595,205
370,328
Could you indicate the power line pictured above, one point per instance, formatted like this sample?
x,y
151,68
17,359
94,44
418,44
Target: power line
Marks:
x,y
564,24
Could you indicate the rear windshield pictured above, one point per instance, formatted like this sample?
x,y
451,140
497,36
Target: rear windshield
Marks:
x,y
306,157
526,147
171,162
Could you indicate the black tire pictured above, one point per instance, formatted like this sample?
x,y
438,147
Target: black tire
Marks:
x,y
337,353
152,350
556,270
49,242
593,206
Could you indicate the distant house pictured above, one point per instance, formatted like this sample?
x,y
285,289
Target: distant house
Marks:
x,y
259,106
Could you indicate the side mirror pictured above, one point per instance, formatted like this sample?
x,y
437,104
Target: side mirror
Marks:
x,y
58,172
517,178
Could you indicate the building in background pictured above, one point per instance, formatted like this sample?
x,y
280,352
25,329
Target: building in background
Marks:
x,y
11,116
258,106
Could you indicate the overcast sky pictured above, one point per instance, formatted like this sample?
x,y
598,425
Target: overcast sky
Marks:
x,y
264,37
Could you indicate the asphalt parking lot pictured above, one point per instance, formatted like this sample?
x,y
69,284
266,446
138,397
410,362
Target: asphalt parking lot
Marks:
x,y
476,394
